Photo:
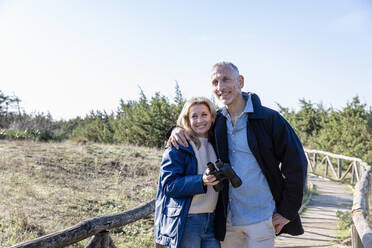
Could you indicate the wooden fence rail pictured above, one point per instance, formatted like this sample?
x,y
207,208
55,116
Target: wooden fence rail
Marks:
x,y
354,164
362,232
96,227
361,172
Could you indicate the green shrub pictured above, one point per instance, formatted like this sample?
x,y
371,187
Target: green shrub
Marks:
x,y
347,131
344,223
345,220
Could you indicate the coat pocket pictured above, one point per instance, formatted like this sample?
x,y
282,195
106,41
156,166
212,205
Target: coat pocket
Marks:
x,y
172,211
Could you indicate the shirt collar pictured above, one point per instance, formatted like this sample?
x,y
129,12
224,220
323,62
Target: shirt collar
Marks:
x,y
248,106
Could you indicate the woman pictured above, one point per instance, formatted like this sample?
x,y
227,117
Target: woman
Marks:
x,y
185,201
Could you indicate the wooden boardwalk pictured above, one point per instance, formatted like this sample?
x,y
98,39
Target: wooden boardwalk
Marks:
x,y
319,219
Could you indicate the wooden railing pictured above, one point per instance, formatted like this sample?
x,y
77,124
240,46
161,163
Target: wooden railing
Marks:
x,y
95,228
357,172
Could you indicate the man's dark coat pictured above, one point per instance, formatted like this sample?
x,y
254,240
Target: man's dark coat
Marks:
x,y
281,157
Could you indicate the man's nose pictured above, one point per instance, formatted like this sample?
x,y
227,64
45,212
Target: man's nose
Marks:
x,y
219,85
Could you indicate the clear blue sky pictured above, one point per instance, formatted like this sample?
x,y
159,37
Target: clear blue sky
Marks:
x,y
70,57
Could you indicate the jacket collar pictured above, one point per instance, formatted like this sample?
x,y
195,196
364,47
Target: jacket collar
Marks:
x,y
187,149
247,109
257,107
255,110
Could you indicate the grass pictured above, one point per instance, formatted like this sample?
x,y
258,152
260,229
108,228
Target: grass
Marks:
x,y
46,187
344,223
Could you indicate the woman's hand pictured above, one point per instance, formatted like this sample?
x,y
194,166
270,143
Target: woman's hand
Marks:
x,y
209,180
178,137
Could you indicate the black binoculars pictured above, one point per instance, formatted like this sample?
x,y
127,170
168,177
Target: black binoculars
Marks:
x,y
223,171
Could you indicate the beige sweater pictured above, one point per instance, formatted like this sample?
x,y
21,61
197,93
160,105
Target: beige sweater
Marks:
x,y
204,203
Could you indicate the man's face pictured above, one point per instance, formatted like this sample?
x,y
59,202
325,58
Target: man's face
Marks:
x,y
226,84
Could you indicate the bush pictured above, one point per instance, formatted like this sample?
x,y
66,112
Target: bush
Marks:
x,y
345,220
347,131
95,127
146,122
143,122
27,134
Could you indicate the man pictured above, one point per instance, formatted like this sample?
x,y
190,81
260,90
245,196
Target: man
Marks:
x,y
266,154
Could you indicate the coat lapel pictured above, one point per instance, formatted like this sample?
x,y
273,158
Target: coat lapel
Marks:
x,y
220,134
252,141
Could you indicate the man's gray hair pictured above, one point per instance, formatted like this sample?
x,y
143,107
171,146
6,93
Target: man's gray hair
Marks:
x,y
224,63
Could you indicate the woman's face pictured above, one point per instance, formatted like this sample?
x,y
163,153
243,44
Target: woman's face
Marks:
x,y
200,119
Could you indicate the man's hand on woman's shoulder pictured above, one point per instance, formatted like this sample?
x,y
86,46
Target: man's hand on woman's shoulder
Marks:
x,y
178,137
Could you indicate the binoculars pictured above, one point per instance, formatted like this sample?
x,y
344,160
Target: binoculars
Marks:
x,y
223,171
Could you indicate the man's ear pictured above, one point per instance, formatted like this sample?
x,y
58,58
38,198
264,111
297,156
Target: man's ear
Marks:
x,y
241,81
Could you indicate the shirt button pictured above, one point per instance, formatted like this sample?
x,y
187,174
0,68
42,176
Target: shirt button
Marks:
x,y
233,150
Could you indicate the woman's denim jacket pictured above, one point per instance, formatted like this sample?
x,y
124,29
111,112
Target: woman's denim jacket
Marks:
x,y
178,183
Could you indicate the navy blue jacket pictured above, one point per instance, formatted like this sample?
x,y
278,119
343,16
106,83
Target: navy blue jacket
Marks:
x,y
178,183
281,157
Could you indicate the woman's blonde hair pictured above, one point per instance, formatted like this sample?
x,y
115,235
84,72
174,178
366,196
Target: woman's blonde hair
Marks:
x,y
184,121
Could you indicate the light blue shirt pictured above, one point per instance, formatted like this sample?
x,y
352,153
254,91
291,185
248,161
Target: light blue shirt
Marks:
x,y
252,202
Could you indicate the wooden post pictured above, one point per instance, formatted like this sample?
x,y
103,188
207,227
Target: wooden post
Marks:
x,y
314,160
339,168
105,243
357,174
112,245
352,173
326,168
355,239
95,242
331,166
347,171
310,163
368,195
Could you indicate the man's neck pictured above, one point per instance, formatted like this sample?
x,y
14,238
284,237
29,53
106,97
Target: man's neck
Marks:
x,y
236,108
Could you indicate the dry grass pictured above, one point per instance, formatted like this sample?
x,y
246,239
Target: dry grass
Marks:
x,y
46,187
